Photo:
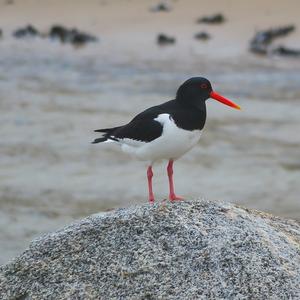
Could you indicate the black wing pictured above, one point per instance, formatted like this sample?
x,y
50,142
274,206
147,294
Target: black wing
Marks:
x,y
145,130
142,127
139,130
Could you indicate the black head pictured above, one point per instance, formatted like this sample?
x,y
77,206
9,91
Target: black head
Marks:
x,y
196,90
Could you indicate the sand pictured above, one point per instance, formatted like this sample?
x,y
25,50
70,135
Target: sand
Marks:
x,y
128,24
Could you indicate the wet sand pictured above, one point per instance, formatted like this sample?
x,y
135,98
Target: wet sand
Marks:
x,y
52,96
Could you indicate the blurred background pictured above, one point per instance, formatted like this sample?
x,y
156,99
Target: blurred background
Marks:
x,y
57,85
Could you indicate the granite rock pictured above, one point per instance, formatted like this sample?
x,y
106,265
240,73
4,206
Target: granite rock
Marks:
x,y
183,250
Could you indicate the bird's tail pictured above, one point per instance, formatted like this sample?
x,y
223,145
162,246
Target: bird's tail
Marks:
x,y
106,135
99,140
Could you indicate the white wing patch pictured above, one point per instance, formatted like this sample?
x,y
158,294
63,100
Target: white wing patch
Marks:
x,y
164,118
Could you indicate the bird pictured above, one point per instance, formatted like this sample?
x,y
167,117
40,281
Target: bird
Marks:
x,y
166,131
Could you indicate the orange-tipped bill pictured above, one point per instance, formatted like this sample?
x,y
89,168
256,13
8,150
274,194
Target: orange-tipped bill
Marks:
x,y
224,100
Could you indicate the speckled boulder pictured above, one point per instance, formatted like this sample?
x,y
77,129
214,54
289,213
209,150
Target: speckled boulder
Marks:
x,y
183,250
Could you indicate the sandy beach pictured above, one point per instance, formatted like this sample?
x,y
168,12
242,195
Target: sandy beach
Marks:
x,y
125,26
52,96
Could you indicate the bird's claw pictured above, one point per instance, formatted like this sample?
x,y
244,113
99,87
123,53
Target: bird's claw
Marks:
x,y
175,198
151,201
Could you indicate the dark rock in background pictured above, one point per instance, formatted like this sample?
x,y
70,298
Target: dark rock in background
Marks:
x,y
73,36
214,19
267,36
162,6
259,49
204,36
28,31
284,51
262,40
163,39
61,33
183,250
81,38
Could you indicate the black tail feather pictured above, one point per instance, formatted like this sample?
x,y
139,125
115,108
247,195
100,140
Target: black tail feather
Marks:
x,y
102,130
107,130
106,136
99,140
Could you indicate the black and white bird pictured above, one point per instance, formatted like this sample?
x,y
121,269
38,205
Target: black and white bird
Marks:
x,y
166,131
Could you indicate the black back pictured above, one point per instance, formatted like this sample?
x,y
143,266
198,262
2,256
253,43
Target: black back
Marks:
x,y
185,117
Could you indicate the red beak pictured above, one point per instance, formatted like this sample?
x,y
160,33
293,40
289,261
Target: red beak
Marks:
x,y
224,100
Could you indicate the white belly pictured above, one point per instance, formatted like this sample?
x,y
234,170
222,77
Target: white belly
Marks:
x,y
173,143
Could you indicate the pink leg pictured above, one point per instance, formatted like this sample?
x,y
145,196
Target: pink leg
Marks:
x,y
149,176
172,195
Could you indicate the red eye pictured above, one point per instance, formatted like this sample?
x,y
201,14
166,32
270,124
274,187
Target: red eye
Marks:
x,y
203,86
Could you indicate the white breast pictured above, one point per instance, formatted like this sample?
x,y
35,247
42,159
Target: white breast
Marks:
x,y
173,143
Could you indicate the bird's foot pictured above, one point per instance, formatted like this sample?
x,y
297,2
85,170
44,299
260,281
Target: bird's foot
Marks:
x,y
173,197
151,200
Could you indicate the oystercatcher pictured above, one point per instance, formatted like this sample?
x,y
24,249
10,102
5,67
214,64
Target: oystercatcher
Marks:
x,y
166,131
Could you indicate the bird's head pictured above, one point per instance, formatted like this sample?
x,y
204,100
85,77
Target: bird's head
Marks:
x,y
196,90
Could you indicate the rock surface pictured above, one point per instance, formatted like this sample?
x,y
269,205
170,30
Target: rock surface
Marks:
x,y
185,250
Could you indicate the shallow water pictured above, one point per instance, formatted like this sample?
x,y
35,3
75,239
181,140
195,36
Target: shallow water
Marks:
x,y
53,96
